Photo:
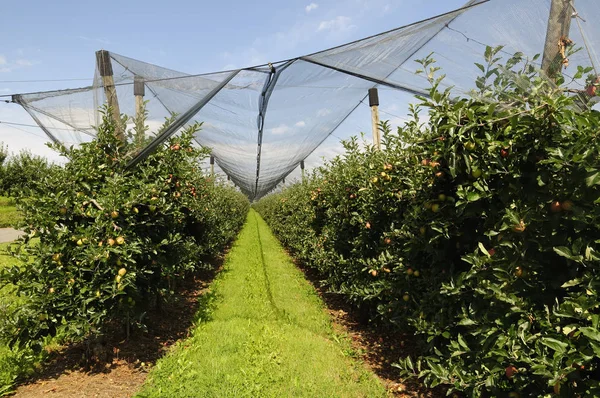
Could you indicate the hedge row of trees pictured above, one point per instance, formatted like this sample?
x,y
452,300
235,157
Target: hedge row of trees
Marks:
x,y
477,229
105,244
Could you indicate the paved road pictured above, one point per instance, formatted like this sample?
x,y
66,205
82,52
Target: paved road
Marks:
x,y
9,234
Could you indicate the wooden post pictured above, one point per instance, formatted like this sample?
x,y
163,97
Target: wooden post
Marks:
x,y
302,168
106,72
212,166
559,25
139,90
374,104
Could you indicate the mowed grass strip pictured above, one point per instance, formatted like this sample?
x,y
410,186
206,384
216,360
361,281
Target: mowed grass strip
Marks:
x,y
261,332
9,216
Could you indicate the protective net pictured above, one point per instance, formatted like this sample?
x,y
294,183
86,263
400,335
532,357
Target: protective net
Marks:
x,y
261,122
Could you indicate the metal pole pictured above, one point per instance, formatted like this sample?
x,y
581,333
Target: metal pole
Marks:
x,y
302,168
212,166
374,104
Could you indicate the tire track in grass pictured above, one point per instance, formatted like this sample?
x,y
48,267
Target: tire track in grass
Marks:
x,y
263,333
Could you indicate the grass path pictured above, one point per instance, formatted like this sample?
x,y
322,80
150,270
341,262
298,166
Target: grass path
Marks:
x,y
261,332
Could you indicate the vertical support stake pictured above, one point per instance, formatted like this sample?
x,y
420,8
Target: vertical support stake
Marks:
x,y
559,24
374,104
106,72
212,166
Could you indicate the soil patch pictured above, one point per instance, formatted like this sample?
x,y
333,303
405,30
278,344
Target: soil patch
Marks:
x,y
119,366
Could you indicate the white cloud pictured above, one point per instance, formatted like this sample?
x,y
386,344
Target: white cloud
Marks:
x,y
281,129
301,123
338,24
323,112
98,40
311,6
24,62
2,60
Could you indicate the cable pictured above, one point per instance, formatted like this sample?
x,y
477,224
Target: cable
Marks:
x,y
25,131
42,80
34,125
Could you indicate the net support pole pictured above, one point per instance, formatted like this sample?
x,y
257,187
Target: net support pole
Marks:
x,y
302,168
108,82
212,166
374,104
139,91
559,24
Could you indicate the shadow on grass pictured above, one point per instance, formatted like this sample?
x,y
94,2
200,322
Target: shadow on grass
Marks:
x,y
379,347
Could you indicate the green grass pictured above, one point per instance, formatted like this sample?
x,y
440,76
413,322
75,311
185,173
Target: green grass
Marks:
x,y
9,215
261,332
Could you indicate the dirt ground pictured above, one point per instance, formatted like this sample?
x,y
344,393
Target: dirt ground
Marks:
x,y
123,364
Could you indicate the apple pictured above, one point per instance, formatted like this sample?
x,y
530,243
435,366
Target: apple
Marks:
x,y
476,173
374,180
591,90
416,273
110,241
368,225
373,272
519,272
136,210
425,162
410,271
79,242
469,145
406,297
504,152
422,230
510,371
122,272
435,207
51,290
388,241
555,207
114,214
519,228
439,174
63,210
56,257
120,240
152,208
492,251
441,197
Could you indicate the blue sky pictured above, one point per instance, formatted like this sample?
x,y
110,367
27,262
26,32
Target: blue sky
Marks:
x,y
57,40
